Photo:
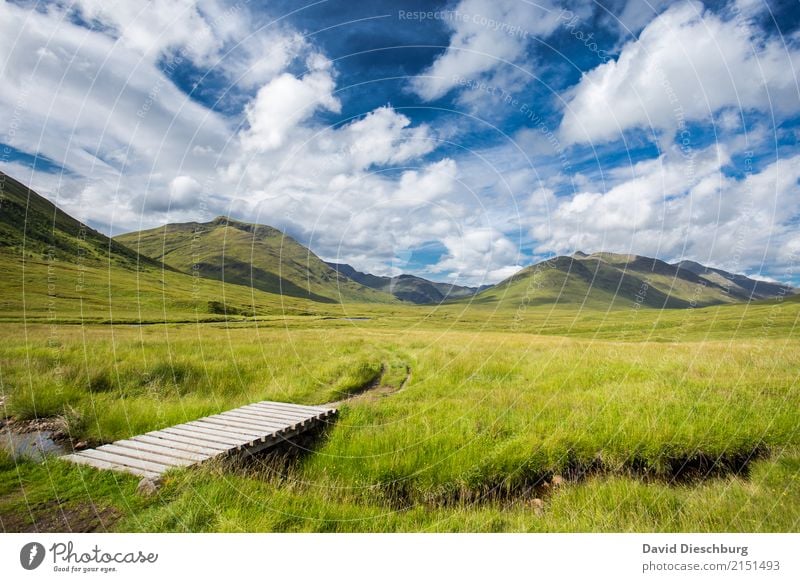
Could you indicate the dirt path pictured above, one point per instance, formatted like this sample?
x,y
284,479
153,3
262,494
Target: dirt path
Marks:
x,y
375,389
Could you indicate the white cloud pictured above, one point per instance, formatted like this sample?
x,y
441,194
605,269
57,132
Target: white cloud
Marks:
x,y
285,102
381,137
485,35
677,208
687,64
480,255
210,33
156,27
100,110
635,15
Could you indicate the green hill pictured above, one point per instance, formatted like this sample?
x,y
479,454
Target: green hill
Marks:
x,y
55,267
252,255
407,287
32,226
603,280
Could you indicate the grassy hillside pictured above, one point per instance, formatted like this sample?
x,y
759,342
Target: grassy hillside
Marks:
x,y
53,266
33,228
738,285
407,287
252,255
608,280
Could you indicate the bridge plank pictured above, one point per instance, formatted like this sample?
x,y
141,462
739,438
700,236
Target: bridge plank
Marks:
x,y
244,430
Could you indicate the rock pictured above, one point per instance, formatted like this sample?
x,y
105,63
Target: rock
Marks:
x,y
538,506
557,481
148,487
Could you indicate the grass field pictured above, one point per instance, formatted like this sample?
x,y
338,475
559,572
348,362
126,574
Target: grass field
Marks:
x,y
481,419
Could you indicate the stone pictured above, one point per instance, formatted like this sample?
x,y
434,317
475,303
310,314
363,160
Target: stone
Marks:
x,y
148,487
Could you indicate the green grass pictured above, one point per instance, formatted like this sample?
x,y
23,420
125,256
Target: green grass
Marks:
x,y
493,404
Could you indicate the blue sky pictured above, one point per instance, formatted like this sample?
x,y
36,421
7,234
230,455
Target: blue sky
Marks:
x,y
456,140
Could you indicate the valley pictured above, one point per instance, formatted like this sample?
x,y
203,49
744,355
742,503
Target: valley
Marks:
x,y
595,392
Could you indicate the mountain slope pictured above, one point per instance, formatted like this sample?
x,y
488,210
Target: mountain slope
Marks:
x,y
31,224
737,285
603,280
407,287
55,268
252,255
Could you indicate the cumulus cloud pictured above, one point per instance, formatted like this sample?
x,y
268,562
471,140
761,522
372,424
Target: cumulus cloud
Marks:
x,y
676,208
485,35
383,136
159,26
635,15
210,33
480,255
687,64
286,101
99,109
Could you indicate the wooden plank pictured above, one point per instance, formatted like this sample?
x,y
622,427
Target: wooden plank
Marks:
x,y
277,417
225,430
264,428
247,429
258,407
258,447
285,416
227,420
280,417
162,449
226,427
202,437
290,406
256,416
143,455
99,464
123,461
175,440
252,413
311,410
264,417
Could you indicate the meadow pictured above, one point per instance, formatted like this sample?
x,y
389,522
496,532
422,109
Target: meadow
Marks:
x,y
453,418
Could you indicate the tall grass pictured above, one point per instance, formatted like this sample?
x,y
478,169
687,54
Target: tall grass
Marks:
x,y
649,435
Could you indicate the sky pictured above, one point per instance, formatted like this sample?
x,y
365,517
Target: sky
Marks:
x,y
460,141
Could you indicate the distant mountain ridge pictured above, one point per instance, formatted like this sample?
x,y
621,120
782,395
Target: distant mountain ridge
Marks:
x,y
616,280
35,235
407,287
739,284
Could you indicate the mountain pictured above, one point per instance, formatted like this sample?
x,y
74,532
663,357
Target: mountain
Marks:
x,y
252,255
55,268
407,287
738,285
32,226
603,280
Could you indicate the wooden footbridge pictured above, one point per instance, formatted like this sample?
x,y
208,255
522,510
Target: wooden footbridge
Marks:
x,y
244,430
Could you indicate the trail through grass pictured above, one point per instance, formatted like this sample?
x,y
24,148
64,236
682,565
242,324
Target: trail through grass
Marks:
x,y
699,431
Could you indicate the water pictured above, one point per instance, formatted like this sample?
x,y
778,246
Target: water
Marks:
x,y
32,445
